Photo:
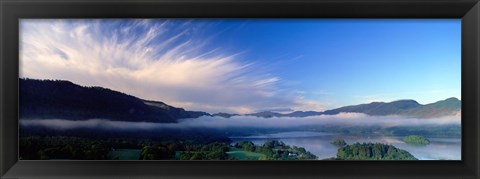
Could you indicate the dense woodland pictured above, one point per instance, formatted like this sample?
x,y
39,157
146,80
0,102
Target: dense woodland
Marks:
x,y
373,151
63,147
76,148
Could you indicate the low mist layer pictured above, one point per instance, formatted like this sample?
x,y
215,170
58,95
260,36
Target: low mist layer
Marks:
x,y
342,119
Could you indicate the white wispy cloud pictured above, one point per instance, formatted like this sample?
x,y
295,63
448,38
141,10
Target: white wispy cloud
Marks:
x,y
151,59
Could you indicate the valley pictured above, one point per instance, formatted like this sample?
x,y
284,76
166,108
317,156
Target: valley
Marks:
x,y
61,120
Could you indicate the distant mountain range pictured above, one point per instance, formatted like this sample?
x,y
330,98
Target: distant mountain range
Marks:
x,y
450,106
410,108
50,99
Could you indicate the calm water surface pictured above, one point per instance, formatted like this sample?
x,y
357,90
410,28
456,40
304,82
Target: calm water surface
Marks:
x,y
318,143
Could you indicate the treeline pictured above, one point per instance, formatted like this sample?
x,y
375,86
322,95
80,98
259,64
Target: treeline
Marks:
x,y
61,147
213,151
185,151
276,150
423,130
433,130
197,135
78,148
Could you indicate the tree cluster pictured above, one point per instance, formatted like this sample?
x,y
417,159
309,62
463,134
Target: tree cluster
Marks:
x,y
213,151
339,142
416,139
276,150
373,151
60,147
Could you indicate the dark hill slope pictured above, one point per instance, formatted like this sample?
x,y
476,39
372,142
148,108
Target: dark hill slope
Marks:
x,y
47,99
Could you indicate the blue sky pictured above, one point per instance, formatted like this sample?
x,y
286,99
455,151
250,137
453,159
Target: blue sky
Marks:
x,y
248,65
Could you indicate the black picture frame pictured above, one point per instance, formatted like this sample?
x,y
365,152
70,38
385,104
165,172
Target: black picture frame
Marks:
x,y
13,10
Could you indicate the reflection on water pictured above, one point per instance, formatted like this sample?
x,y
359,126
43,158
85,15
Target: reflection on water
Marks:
x,y
319,144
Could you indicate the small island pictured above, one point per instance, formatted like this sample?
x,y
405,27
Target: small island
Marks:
x,y
372,151
415,139
270,150
339,142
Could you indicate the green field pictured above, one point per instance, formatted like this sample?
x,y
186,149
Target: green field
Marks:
x,y
124,154
244,155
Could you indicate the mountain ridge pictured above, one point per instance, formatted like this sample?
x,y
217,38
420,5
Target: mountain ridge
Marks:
x,y
406,107
43,99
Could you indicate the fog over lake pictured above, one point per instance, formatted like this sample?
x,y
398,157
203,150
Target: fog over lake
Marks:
x,y
440,148
342,119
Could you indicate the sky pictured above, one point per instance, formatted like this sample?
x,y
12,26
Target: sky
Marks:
x,y
250,65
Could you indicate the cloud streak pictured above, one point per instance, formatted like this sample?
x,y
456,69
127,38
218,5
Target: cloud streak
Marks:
x,y
163,60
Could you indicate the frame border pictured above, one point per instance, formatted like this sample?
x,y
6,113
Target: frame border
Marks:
x,y
13,10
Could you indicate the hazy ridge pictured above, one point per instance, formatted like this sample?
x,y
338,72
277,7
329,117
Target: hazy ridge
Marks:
x,y
59,99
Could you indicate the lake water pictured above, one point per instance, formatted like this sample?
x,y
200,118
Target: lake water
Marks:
x,y
318,143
